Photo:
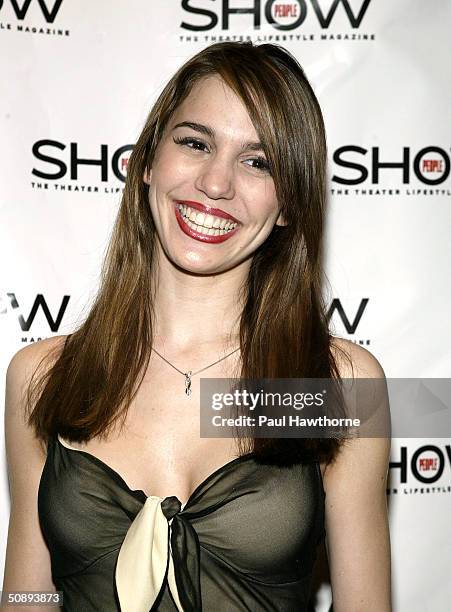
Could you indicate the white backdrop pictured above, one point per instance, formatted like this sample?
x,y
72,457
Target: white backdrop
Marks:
x,y
78,80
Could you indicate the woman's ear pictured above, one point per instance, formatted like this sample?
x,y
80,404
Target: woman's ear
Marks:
x,y
147,175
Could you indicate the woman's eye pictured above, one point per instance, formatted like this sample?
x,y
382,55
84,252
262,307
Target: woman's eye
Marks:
x,y
260,164
192,143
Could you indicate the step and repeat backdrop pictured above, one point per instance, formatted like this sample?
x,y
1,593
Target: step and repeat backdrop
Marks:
x,y
78,79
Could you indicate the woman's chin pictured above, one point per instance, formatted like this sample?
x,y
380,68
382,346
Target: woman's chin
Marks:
x,y
199,269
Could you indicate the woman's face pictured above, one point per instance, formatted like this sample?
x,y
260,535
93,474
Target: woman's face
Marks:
x,y
211,194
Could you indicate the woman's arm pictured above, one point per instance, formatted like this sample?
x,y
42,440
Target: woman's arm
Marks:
x,y
27,564
357,532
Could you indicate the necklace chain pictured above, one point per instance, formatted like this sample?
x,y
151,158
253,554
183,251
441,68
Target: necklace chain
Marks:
x,y
189,374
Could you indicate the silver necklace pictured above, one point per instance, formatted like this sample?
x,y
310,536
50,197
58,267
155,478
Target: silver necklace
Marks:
x,y
188,375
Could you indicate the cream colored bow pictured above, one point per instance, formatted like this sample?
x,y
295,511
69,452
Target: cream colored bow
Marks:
x,y
143,559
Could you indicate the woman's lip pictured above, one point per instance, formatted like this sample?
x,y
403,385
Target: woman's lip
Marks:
x,y
208,209
197,235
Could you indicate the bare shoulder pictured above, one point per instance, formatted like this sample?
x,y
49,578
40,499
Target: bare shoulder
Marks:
x,y
360,457
29,356
21,367
355,361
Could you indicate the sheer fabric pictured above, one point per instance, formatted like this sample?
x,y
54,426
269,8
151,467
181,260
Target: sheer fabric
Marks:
x,y
245,540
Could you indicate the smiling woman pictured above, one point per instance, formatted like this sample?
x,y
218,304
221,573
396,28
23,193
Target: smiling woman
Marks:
x,y
209,151
214,267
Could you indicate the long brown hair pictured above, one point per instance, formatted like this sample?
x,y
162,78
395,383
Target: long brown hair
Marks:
x,y
283,329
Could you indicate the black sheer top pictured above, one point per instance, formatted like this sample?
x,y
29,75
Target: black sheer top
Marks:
x,y
245,540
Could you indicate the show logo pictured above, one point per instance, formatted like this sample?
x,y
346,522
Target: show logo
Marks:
x,y
40,309
371,171
424,465
282,17
68,166
42,12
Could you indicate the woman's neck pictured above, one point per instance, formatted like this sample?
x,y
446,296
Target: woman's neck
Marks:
x,y
197,311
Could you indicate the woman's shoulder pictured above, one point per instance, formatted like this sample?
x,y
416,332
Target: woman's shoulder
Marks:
x,y
354,360
20,370
28,357
21,444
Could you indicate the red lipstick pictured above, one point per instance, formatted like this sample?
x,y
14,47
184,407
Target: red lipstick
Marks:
x,y
208,209
197,235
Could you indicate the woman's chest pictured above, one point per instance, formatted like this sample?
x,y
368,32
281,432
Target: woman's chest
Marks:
x,y
262,520
159,449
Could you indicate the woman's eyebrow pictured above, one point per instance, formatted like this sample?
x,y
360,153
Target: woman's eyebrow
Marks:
x,y
198,127
207,131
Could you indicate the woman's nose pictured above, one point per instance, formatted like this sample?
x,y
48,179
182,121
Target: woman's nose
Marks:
x,y
216,178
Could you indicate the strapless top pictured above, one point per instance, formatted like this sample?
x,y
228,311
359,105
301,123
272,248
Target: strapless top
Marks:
x,y
245,540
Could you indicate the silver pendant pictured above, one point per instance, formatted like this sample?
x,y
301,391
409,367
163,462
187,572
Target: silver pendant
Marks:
x,y
188,383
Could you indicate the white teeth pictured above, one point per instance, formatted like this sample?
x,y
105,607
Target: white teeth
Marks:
x,y
207,224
